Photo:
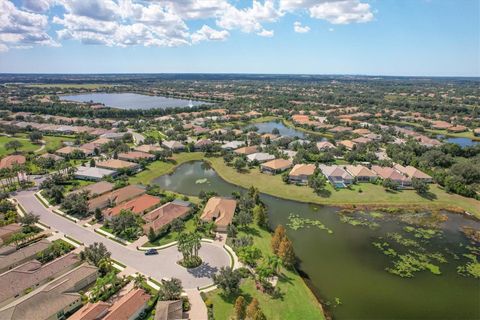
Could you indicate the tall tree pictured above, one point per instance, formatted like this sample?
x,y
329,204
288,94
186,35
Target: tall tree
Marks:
x,y
239,308
170,289
277,238
252,309
13,144
286,253
94,253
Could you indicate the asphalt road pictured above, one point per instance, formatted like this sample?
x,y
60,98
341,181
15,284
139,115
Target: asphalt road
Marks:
x,y
158,266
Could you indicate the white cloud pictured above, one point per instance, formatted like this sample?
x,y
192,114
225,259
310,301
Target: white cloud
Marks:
x,y
297,27
333,11
265,33
207,33
22,28
39,6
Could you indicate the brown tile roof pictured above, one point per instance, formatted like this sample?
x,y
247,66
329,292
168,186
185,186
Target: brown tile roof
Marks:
x,y
347,144
96,189
8,230
117,196
247,150
277,164
22,254
128,305
135,156
9,161
116,164
360,171
137,205
148,148
91,311
220,210
388,173
302,170
411,172
169,310
165,214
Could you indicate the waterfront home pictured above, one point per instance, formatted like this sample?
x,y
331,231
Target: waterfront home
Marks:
x,y
135,156
129,306
392,174
31,274
275,166
232,145
246,150
138,205
165,214
202,143
219,210
269,137
115,197
260,157
412,172
96,189
476,132
117,164
361,173
441,125
173,145
148,148
7,231
325,145
337,176
93,173
53,300
169,310
10,257
458,128
300,173
9,162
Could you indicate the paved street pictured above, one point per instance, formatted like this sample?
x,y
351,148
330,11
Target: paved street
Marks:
x,y
158,266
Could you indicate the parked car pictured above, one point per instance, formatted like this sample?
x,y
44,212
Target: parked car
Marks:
x,y
150,252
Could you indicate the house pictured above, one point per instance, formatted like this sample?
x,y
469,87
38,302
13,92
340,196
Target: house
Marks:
x,y
340,129
269,137
8,162
32,274
337,176
392,174
113,135
169,310
93,173
128,307
441,125
96,189
476,132
115,197
361,173
275,166
260,157
412,172
53,300
10,257
457,128
117,164
148,148
69,150
52,156
233,145
135,156
347,144
300,173
173,145
325,145
361,131
7,231
219,210
91,311
165,214
137,205
246,150
361,140
202,143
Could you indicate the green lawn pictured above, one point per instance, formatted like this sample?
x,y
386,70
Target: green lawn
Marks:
x,y
158,168
171,236
27,144
55,142
297,302
371,194
466,134
154,133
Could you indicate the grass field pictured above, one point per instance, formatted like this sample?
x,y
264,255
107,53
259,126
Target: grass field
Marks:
x,y
27,145
371,194
55,142
158,168
466,134
297,301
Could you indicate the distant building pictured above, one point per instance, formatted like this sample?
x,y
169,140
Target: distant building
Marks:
x,y
8,162
93,173
276,166
219,210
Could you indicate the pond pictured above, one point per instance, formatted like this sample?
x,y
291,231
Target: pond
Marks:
x,y
462,142
267,127
345,265
131,100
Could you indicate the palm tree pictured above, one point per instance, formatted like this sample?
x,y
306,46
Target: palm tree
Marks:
x,y
139,280
275,263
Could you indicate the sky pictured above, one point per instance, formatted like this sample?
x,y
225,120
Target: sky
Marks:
x,y
368,37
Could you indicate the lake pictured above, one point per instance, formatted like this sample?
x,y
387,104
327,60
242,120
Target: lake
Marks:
x,y
347,266
462,142
267,127
131,100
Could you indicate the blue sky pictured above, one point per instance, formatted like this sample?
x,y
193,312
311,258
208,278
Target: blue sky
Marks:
x,y
382,37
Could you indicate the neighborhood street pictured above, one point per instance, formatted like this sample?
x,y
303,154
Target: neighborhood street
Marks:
x,y
158,266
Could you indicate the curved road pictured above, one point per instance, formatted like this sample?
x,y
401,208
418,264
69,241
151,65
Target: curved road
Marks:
x,y
158,266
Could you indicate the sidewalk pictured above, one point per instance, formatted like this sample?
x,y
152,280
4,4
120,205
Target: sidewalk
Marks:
x,y
198,309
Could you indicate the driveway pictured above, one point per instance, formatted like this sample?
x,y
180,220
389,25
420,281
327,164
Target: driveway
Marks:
x,y
158,266
137,137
